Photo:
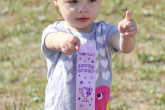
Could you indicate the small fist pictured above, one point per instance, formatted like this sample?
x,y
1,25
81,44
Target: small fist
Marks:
x,y
127,27
71,44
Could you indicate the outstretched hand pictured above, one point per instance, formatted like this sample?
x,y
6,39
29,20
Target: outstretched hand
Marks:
x,y
70,44
127,27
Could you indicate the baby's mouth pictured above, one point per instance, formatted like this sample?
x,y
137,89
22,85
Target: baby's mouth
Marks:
x,y
82,19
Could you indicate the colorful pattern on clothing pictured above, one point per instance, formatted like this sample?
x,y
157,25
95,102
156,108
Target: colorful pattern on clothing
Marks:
x,y
61,88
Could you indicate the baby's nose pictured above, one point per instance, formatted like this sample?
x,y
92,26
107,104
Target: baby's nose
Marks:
x,y
82,9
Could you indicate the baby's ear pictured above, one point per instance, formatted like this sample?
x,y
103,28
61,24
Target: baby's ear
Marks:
x,y
56,2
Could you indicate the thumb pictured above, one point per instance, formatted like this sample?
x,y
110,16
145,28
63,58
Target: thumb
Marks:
x,y
120,26
128,15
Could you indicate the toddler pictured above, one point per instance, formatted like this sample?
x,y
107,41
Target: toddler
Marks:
x,y
61,45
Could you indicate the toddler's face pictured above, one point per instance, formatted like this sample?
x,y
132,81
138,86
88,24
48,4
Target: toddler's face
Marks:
x,y
79,14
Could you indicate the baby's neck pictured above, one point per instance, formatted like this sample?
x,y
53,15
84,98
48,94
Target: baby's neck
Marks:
x,y
85,30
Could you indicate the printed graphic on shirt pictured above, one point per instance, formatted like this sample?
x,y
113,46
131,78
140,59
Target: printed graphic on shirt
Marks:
x,y
62,70
102,98
85,92
85,80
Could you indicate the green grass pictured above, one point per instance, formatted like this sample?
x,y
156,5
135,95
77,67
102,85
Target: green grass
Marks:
x,y
138,78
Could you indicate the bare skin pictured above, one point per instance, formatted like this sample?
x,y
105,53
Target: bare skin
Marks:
x,y
124,40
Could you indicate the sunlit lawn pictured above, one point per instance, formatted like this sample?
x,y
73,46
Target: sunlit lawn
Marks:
x,y
138,78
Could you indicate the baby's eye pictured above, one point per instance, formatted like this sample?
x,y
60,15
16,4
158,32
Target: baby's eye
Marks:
x,y
72,1
100,95
91,0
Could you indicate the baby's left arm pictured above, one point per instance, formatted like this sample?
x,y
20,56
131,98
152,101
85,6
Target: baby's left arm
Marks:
x,y
124,40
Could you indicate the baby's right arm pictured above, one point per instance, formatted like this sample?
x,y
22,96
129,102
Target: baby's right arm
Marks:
x,y
63,42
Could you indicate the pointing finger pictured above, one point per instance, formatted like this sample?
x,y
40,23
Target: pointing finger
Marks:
x,y
78,45
73,40
128,15
76,42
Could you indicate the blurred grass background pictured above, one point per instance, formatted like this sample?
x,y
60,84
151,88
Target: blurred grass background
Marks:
x,y
138,78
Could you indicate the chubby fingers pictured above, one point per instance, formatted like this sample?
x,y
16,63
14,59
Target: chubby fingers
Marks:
x,y
66,48
127,27
120,26
126,22
75,43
